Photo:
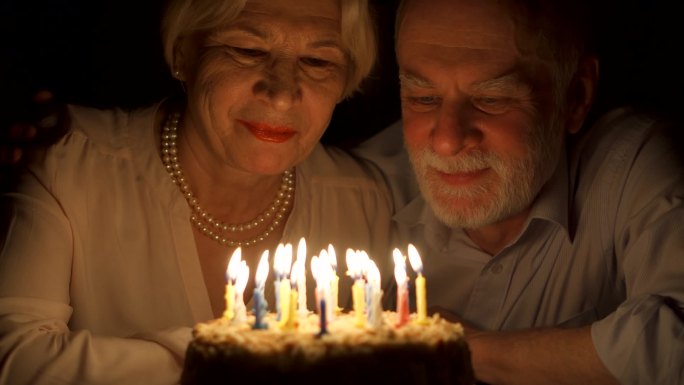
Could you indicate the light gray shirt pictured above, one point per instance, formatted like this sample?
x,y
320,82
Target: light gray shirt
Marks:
x,y
603,246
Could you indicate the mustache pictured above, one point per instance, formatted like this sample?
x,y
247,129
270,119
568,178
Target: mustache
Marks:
x,y
473,160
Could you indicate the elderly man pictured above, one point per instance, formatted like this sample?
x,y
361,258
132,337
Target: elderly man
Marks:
x,y
558,245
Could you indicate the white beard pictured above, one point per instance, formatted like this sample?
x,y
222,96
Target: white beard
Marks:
x,y
510,187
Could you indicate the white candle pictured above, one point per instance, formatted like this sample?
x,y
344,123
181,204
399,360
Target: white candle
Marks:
x,y
375,311
285,289
240,284
301,279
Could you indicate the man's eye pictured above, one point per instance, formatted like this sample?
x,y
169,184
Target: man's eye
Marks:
x,y
421,103
491,105
423,100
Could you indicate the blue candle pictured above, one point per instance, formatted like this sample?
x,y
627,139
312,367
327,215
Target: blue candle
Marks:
x,y
324,328
260,304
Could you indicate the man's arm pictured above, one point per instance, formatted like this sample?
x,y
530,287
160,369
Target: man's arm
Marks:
x,y
537,356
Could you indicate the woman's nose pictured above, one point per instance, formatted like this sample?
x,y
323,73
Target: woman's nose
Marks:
x,y
280,85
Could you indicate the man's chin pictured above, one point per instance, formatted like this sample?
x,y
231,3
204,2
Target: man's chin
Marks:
x,y
462,212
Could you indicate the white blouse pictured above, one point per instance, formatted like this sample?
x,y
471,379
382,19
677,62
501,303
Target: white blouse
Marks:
x,y
100,280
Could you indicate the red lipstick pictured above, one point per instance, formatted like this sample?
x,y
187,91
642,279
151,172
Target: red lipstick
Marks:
x,y
267,132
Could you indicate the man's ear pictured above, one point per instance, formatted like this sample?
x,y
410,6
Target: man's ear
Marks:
x,y
582,92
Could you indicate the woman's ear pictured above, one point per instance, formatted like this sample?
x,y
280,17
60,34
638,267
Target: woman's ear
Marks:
x,y
180,56
582,92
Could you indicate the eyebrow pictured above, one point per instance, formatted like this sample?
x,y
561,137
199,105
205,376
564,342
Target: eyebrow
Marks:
x,y
246,28
504,82
415,80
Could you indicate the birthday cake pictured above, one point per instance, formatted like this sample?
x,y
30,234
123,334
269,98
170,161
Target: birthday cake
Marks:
x,y
428,352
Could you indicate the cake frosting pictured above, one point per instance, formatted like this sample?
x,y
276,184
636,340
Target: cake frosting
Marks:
x,y
431,352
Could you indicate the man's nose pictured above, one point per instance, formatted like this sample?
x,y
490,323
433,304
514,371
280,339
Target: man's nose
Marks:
x,y
453,130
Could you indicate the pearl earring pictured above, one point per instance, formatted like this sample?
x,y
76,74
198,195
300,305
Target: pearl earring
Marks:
x,y
176,74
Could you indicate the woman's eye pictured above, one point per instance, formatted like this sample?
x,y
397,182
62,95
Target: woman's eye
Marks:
x,y
248,52
315,62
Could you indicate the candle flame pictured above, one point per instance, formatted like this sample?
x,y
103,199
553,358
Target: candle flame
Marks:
x,y
414,258
287,263
297,272
373,273
332,257
363,262
283,260
353,268
242,277
278,260
322,272
262,270
399,267
301,249
234,265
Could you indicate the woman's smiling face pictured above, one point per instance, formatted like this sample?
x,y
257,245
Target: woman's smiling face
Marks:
x,y
261,90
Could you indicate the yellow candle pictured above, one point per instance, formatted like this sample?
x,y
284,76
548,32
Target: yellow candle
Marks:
x,y
232,272
359,297
291,322
230,301
285,297
421,301
335,281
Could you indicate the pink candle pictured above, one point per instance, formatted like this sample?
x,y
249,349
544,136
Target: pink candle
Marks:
x,y
402,287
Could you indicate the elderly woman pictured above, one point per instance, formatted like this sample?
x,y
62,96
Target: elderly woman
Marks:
x,y
117,239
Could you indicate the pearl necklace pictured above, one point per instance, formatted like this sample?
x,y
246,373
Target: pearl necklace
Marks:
x,y
205,222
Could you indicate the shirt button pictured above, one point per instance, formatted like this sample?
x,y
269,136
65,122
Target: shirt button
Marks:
x,y
496,268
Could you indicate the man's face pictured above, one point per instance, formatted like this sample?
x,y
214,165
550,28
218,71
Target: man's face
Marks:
x,y
479,122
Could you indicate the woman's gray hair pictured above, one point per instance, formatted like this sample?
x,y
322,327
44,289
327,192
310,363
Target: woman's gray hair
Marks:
x,y
182,18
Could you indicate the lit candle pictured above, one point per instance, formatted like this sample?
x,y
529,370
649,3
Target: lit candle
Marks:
x,y
421,301
285,295
277,263
354,267
322,272
375,310
260,304
289,321
301,279
240,284
334,282
402,287
231,275
365,262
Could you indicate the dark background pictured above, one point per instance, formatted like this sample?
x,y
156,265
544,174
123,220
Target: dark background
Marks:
x,y
107,53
